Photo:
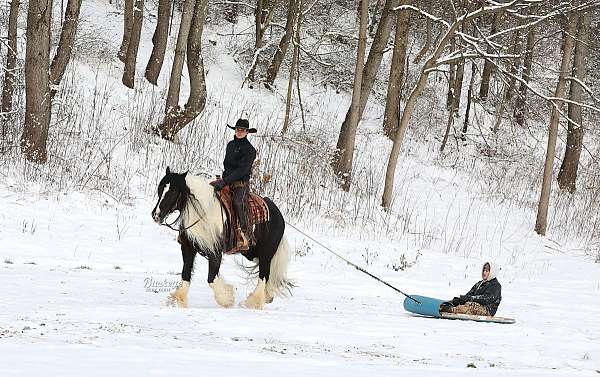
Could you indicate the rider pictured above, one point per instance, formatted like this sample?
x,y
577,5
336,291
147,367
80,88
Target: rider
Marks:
x,y
239,156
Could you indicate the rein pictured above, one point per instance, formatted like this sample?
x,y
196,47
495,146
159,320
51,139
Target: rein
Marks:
x,y
170,226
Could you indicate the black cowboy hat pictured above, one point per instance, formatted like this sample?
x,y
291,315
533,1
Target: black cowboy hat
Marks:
x,y
243,123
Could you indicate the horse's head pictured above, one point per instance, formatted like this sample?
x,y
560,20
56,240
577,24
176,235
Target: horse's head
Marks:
x,y
172,195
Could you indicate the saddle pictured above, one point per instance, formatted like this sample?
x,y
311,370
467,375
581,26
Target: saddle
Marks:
x,y
258,212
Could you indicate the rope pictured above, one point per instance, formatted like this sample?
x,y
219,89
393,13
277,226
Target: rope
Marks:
x,y
352,264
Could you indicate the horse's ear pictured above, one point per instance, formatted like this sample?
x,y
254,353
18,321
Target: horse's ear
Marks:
x,y
184,174
168,170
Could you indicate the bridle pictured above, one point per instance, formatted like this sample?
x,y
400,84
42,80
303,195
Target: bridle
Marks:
x,y
170,226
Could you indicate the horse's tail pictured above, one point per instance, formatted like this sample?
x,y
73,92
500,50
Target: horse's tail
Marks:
x,y
279,284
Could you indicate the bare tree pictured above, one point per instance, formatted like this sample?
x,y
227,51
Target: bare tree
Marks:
x,y
567,47
127,27
371,67
37,81
262,20
429,66
65,43
396,78
175,121
428,31
283,45
469,99
9,73
295,56
344,154
187,14
134,43
484,88
521,102
567,175
159,42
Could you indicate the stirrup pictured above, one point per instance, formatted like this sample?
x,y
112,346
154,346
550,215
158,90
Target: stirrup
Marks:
x,y
245,241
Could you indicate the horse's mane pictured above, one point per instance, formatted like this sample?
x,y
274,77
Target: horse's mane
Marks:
x,y
203,212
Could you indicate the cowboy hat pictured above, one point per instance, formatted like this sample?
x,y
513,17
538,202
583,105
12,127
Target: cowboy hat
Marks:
x,y
243,123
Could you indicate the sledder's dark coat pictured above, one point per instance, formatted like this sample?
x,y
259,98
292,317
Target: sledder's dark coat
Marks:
x,y
239,156
486,293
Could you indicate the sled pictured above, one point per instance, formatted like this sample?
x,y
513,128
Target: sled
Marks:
x,y
430,307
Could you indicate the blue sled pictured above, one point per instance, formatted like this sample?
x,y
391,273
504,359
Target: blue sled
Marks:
x,y
430,307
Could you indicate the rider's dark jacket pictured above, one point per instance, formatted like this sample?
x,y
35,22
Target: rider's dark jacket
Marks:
x,y
239,156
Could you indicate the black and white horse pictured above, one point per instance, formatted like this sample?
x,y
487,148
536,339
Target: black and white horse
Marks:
x,y
202,232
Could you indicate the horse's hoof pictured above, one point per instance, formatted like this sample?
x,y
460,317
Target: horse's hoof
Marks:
x,y
173,300
224,293
251,303
226,298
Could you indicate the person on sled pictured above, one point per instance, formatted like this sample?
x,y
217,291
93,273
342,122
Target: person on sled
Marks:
x,y
239,157
482,299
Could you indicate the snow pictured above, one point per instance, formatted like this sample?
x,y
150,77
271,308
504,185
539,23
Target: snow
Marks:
x,y
75,265
72,312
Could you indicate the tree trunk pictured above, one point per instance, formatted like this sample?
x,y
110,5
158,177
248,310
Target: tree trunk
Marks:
x,y
451,79
488,66
521,98
258,35
127,26
187,14
373,21
392,104
65,44
345,143
516,45
37,81
344,154
288,102
429,25
283,45
132,49
159,42
542,213
9,74
196,102
567,175
469,97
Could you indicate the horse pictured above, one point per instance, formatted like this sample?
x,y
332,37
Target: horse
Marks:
x,y
202,230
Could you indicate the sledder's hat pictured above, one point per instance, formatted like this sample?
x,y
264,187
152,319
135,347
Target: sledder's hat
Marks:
x,y
243,123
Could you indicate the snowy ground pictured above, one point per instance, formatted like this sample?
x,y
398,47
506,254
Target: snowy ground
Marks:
x,y
74,301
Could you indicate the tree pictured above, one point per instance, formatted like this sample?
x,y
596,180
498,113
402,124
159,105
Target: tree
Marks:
x,y
159,42
37,81
9,72
262,19
295,57
429,66
567,175
525,78
488,67
134,43
396,78
65,43
342,160
127,27
343,156
283,45
174,121
187,14
567,47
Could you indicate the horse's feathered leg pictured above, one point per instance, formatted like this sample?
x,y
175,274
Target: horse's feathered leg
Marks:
x,y
223,292
257,299
188,254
